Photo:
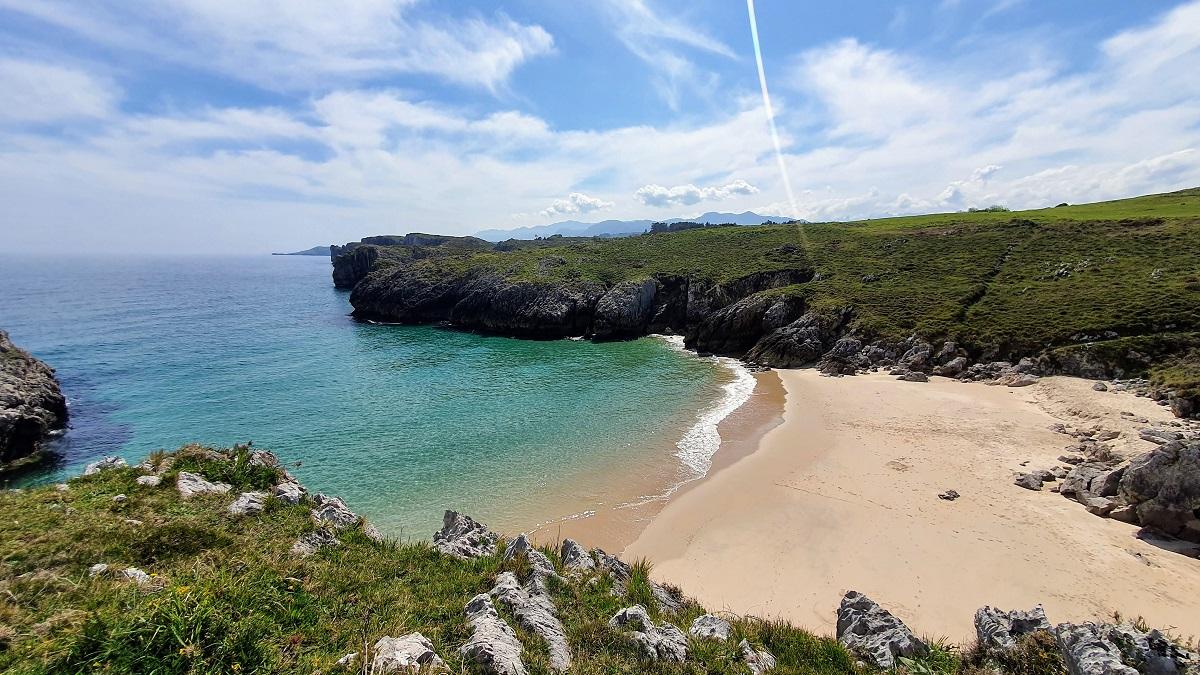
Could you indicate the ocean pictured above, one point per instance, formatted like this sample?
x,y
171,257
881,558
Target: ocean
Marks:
x,y
401,421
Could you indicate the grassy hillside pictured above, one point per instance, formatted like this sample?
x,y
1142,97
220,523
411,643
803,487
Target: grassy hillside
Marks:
x,y
227,596
1004,281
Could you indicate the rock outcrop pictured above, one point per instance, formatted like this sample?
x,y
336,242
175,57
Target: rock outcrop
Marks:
x,y
412,653
711,627
193,484
661,642
1164,486
997,629
464,538
493,645
32,405
873,633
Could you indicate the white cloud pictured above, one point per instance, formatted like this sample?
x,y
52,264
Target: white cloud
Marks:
x,y
44,92
656,39
576,203
659,196
281,44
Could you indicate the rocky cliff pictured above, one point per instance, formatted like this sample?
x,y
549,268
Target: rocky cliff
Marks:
x,y
31,404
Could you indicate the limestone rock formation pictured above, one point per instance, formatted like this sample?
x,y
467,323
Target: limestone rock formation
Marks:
x,y
412,653
314,541
333,511
575,557
32,405
1086,650
192,484
759,661
462,537
104,465
1164,484
248,504
997,629
535,611
493,645
874,633
658,642
712,627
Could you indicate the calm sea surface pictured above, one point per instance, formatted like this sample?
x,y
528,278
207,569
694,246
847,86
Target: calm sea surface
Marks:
x,y
155,352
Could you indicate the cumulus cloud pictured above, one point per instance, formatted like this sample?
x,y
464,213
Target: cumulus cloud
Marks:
x,y
576,203
680,195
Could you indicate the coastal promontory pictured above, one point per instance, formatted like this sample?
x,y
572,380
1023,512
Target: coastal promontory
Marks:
x,y
31,404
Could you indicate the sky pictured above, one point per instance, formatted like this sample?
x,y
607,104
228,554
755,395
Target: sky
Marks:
x,y
220,126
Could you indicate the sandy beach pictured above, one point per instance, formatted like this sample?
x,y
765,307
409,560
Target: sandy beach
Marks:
x,y
843,495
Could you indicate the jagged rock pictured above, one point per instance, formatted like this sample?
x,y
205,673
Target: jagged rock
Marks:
x,y
314,541
952,368
464,538
575,557
1071,459
711,626
264,458
658,642
1086,650
104,465
1182,407
913,376
535,610
1099,506
997,629
1159,436
149,481
289,492
542,567
32,405
949,495
493,644
1017,380
1152,653
797,344
1165,485
1100,386
919,357
759,661
874,633
191,484
1125,514
248,504
333,510
1090,479
1029,481
1106,435
947,353
412,653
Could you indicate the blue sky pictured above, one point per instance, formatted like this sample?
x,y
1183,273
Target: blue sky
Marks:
x,y
236,125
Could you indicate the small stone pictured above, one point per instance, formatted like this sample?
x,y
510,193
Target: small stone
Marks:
x,y
913,376
949,495
288,492
314,541
136,575
61,487
373,532
412,653
97,569
248,504
759,661
1100,386
149,481
104,465
348,660
120,499
191,484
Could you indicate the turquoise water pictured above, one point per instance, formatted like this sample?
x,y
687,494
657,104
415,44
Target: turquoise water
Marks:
x,y
400,421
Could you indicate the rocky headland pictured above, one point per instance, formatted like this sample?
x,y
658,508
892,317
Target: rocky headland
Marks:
x,y
32,405
996,297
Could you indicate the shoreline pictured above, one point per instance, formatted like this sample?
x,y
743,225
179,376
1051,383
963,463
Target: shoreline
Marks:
x,y
842,494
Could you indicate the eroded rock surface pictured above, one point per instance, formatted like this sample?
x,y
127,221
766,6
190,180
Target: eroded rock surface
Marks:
x,y
874,633
464,538
192,484
658,642
493,645
32,405
997,629
412,653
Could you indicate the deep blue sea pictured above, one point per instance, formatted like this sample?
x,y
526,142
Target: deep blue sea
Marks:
x,y
403,422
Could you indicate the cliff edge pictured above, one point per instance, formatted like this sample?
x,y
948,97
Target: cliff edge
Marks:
x,y
31,404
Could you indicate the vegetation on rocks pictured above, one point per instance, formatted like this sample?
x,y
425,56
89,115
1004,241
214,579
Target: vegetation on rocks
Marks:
x,y
109,573
1114,282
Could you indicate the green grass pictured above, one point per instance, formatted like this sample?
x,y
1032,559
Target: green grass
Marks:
x,y
999,283
228,596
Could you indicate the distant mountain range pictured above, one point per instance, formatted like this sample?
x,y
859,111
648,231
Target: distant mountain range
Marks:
x,y
621,228
316,250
